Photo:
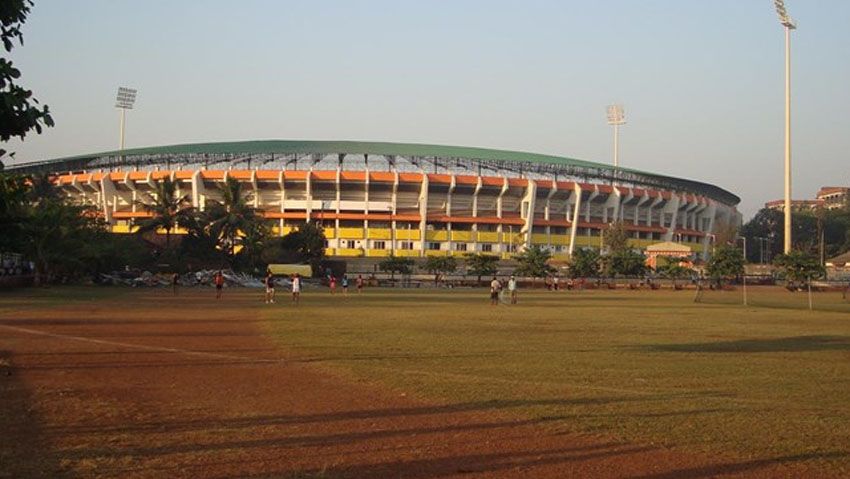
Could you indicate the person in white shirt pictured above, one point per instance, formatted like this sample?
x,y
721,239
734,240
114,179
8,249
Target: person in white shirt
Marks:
x,y
296,288
495,288
512,289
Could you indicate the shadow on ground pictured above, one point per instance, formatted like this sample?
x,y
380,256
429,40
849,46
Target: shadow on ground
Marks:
x,y
24,451
774,345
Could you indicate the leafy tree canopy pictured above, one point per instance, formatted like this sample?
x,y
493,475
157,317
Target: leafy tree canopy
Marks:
x,y
584,263
480,264
727,262
18,111
534,262
800,266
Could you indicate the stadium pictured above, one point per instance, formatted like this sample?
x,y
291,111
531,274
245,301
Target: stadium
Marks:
x,y
413,200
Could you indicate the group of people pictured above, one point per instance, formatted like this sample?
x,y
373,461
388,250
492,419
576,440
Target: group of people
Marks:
x,y
496,288
269,283
359,282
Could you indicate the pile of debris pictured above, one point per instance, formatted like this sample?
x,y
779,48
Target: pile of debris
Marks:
x,y
138,279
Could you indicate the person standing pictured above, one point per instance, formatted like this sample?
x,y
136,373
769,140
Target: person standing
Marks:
x,y
332,284
218,279
296,289
495,287
359,283
345,285
556,282
175,281
512,289
269,287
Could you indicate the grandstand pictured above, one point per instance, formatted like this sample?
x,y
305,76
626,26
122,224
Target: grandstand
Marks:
x,y
376,199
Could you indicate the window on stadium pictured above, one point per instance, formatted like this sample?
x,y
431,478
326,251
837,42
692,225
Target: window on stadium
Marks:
x,y
407,245
433,245
379,245
460,246
487,248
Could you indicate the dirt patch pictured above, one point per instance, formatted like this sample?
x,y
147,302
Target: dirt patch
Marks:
x,y
148,385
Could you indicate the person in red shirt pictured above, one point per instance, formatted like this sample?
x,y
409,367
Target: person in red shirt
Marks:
x,y
218,280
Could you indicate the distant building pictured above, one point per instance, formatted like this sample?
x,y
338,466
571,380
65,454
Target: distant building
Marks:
x,y
834,197
796,205
829,197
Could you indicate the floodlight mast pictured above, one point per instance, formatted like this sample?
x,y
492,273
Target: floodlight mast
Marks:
x,y
616,118
788,23
124,101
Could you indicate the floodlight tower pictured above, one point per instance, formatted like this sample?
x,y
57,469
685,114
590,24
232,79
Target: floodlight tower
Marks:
x,y
788,23
616,118
124,101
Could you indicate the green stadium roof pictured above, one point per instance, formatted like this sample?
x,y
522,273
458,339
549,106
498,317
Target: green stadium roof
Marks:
x,y
364,147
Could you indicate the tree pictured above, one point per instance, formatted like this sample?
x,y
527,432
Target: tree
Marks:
x,y
800,266
308,240
670,267
765,226
534,262
584,263
615,239
726,263
18,111
626,263
393,264
438,265
168,210
59,238
13,208
480,264
231,216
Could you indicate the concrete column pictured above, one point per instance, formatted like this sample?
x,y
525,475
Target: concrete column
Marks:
x,y
671,207
527,207
574,225
423,213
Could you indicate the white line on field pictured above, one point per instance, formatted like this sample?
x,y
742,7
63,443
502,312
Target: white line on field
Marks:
x,y
140,346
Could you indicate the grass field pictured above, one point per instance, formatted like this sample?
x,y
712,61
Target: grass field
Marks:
x,y
769,382
644,366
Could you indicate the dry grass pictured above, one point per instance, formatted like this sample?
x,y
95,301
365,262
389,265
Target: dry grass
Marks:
x,y
649,366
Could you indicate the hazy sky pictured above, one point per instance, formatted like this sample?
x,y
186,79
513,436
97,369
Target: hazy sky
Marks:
x,y
702,81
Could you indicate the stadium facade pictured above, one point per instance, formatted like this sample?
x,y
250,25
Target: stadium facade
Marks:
x,y
377,199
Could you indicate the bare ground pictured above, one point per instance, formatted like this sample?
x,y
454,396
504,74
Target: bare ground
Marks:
x,y
154,386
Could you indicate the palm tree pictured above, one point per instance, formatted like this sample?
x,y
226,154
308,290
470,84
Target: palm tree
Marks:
x,y
168,210
232,216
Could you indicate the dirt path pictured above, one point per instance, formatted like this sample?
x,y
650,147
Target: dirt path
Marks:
x,y
90,391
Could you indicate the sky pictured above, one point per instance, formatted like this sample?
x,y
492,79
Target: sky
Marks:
x,y
701,82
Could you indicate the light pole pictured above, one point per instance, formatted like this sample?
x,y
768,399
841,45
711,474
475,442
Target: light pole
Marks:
x,y
124,101
744,276
615,119
788,23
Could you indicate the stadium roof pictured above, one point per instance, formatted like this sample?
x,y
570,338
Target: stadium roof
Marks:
x,y
284,147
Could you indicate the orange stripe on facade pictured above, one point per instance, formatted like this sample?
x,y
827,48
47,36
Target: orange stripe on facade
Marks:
x,y
359,176
212,174
410,177
565,223
268,175
476,219
492,181
466,180
437,178
517,182
382,176
294,175
131,214
240,174
285,215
